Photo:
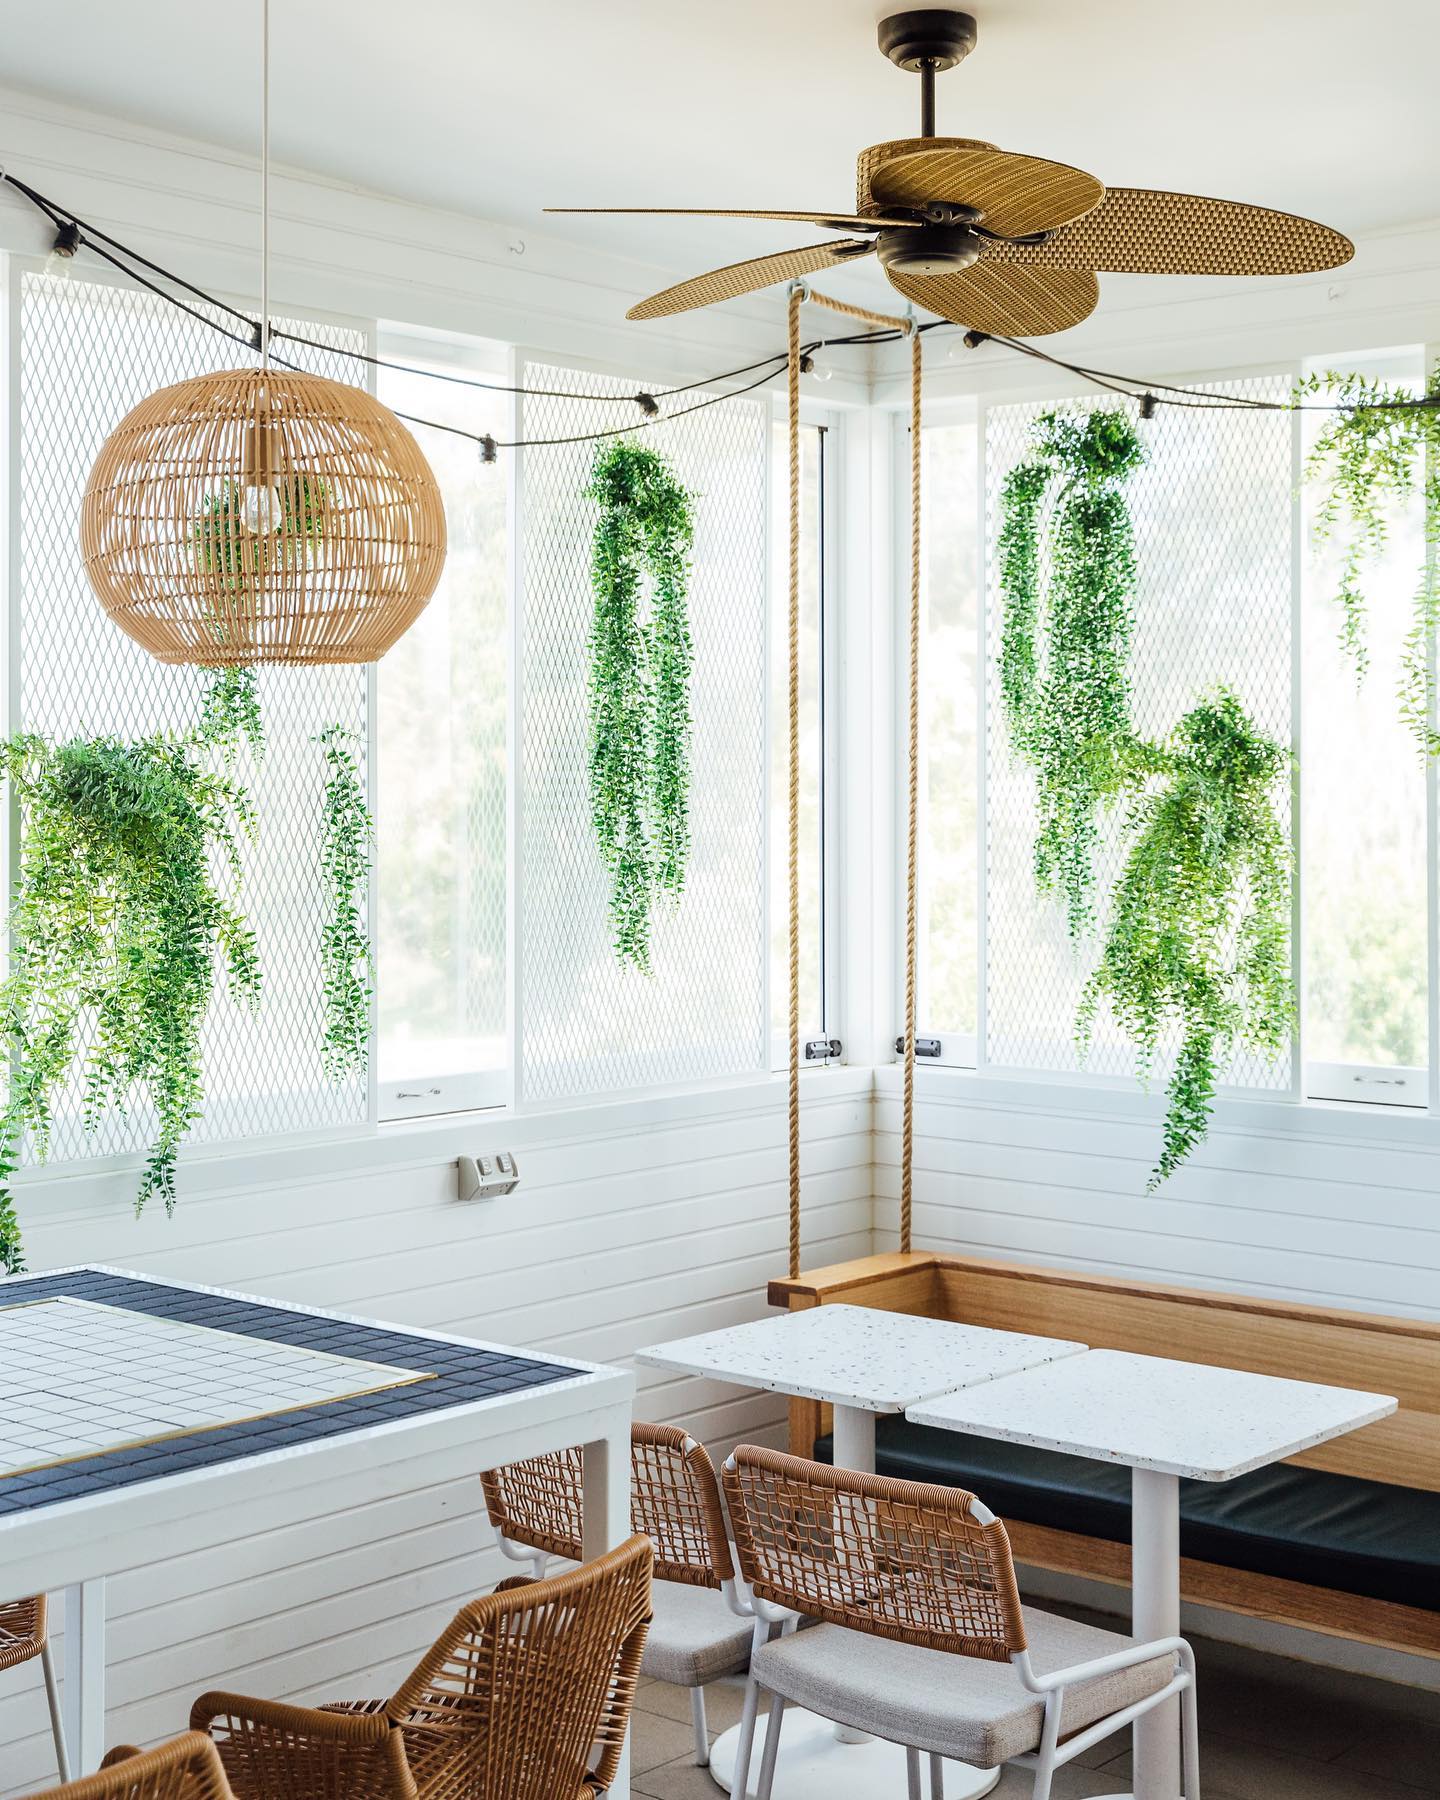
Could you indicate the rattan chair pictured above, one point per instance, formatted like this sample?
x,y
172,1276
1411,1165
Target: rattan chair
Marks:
x,y
923,1640
525,1695
186,1768
23,1635
702,1628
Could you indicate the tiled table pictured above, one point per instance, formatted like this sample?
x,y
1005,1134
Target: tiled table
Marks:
x,y
865,1362
141,1418
1162,1419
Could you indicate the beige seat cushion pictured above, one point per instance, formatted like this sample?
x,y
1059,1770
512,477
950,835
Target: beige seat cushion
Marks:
x,y
694,1637
978,1712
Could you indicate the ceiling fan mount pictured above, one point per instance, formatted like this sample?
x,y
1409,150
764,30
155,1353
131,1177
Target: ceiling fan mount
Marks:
x,y
1001,242
925,42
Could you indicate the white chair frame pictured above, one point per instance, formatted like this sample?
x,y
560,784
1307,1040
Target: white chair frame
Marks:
x,y
772,1621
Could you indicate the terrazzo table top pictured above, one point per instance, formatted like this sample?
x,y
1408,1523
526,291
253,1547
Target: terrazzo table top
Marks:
x,y
856,1356
1149,1412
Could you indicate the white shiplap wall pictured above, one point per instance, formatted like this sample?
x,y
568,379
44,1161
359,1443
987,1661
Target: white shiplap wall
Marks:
x,y
632,1223
1320,1204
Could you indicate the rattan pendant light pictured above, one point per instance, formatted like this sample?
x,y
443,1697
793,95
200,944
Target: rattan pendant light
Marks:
x,y
261,515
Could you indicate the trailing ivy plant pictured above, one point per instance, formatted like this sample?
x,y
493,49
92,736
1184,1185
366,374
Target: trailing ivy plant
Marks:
x,y
124,913
230,712
1199,934
1376,452
640,660
1064,674
346,840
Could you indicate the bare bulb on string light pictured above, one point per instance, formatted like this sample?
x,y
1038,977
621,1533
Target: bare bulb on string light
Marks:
x,y
62,252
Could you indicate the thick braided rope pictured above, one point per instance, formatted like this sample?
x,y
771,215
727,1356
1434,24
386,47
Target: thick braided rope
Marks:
x,y
797,296
907,1137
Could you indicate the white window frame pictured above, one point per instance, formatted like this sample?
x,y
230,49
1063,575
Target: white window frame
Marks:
x,y
1375,1087
831,424
402,1097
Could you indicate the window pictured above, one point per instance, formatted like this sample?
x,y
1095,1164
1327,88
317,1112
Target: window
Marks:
x,y
89,350
813,472
441,798
1363,807
947,993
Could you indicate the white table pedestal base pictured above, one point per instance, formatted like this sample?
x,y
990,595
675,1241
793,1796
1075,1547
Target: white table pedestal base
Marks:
x,y
814,1764
1154,1613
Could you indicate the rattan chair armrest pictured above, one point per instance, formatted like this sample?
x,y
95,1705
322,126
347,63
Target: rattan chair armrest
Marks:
x,y
355,1706
275,1751
119,1753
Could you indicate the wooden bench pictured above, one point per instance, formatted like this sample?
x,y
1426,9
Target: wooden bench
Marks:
x,y
1389,1355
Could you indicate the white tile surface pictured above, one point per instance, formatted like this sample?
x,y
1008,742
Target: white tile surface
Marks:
x,y
1151,1413
856,1355
78,1378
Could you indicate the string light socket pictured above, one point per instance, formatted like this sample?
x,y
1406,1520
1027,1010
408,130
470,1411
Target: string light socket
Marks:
x,y
648,405
1148,405
489,450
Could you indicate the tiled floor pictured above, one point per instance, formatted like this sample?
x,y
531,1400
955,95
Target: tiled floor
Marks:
x,y
1270,1729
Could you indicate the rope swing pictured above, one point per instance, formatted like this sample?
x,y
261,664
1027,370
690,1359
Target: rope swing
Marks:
x,y
800,292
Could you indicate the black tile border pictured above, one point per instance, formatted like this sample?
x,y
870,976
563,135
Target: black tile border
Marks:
x,y
461,1374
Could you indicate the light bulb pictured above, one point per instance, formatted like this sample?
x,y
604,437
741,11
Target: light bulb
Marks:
x,y
821,372
262,510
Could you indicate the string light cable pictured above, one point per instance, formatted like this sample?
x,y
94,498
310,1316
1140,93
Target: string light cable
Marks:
x,y
73,233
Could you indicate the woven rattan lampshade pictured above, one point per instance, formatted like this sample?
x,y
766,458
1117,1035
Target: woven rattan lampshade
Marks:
x,y
262,516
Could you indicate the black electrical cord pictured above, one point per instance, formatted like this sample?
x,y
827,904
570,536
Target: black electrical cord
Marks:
x,y
1149,394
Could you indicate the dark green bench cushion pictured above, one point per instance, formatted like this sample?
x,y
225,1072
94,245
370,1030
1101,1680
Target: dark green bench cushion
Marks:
x,y
1329,1531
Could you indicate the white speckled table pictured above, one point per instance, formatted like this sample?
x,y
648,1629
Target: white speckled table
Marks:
x,y
865,1362
1163,1419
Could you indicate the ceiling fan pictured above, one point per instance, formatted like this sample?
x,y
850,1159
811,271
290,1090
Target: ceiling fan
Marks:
x,y
1003,243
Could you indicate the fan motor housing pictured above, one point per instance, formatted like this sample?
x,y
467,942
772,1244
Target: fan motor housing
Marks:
x,y
930,250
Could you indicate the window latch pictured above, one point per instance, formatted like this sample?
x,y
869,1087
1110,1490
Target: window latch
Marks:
x,y
822,1049
923,1046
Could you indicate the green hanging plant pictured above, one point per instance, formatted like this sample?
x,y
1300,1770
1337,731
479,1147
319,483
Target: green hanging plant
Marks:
x,y
118,927
640,686
230,711
1199,935
1366,459
1067,706
346,840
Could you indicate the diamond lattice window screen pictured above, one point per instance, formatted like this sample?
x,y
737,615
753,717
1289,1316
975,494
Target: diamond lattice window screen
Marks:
x,y
1214,518
88,352
587,1025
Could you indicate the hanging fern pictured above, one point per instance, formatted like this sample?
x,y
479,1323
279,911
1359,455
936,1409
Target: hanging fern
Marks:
x,y
1366,460
640,660
346,839
1067,706
1200,930
118,926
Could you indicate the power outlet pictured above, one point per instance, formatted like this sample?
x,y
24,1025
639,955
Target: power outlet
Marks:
x,y
487,1177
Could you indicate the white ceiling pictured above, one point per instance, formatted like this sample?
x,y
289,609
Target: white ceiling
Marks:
x,y
1318,106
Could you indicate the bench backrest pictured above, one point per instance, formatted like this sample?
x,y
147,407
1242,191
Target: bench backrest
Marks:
x,y
1384,1354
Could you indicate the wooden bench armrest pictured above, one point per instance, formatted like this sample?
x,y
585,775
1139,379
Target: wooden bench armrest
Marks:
x,y
894,1282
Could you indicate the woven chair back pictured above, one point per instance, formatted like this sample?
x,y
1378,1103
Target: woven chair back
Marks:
x,y
674,1500
897,1559
527,1693
187,1768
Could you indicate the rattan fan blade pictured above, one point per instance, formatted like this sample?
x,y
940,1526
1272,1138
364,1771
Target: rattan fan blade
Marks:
x,y
1145,231
1015,194
1005,300
744,277
832,221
